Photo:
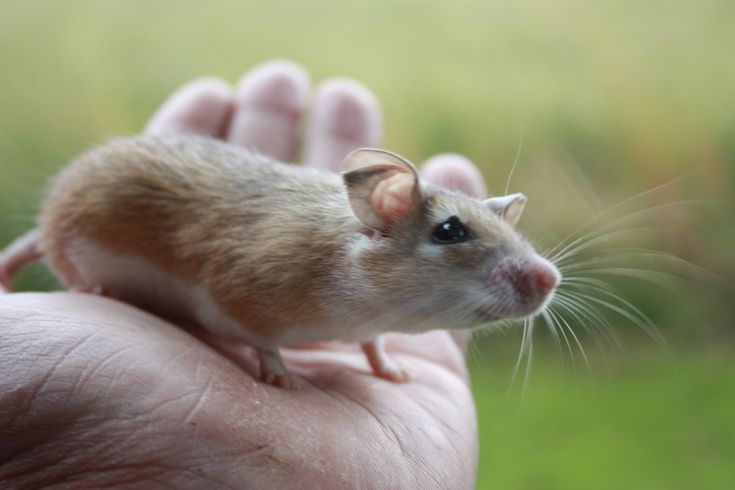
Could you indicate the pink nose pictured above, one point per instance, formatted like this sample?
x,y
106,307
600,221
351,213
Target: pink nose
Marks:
x,y
543,277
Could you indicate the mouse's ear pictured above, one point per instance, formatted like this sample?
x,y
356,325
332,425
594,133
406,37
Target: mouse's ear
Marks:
x,y
507,207
383,188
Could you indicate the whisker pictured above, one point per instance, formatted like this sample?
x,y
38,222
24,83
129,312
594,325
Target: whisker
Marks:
x,y
552,322
583,313
563,323
625,308
590,241
529,361
524,351
610,338
515,164
557,340
688,268
554,252
617,206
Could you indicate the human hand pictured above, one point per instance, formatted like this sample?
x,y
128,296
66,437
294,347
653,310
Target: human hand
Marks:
x,y
94,392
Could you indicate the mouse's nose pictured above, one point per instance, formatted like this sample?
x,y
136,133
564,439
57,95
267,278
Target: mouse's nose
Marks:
x,y
546,277
539,277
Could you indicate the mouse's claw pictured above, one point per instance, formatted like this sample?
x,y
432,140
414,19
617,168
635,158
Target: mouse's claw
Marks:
x,y
286,381
392,371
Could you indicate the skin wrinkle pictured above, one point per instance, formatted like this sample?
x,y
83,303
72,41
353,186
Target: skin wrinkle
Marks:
x,y
33,433
348,402
174,400
371,470
386,427
18,391
206,479
260,450
438,420
204,395
118,447
157,452
201,399
407,454
61,462
119,475
89,371
43,383
181,355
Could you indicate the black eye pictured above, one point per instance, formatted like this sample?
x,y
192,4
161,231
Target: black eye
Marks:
x,y
450,231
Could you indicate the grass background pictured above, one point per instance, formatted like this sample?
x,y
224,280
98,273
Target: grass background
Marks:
x,y
609,99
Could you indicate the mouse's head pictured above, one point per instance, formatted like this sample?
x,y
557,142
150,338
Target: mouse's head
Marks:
x,y
442,259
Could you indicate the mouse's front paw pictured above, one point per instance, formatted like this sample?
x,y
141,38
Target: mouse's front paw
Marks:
x,y
381,364
392,371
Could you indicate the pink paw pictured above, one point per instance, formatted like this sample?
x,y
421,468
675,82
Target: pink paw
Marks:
x,y
392,371
382,364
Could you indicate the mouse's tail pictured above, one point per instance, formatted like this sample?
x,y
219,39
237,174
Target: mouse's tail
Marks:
x,y
24,250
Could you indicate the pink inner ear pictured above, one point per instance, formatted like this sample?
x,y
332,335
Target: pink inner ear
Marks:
x,y
392,197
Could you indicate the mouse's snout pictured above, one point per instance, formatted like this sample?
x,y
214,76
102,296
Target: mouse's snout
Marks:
x,y
542,276
520,285
531,279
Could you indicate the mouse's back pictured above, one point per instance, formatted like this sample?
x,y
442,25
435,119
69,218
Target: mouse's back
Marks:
x,y
181,203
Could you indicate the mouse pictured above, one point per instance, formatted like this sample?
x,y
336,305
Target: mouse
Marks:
x,y
272,254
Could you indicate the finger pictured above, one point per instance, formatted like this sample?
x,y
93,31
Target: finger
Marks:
x,y
345,116
202,107
455,172
271,100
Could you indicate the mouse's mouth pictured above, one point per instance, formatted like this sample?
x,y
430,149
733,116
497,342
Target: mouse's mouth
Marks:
x,y
530,282
520,289
484,315
545,301
516,311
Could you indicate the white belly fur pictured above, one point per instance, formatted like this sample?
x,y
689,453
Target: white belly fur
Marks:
x,y
137,281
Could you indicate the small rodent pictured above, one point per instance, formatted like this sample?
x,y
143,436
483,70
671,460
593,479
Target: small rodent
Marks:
x,y
275,254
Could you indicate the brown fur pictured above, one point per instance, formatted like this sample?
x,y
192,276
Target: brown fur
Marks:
x,y
204,212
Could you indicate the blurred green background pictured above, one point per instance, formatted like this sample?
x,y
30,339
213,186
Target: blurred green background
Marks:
x,y
597,102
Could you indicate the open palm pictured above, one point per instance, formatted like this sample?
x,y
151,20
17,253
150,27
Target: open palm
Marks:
x,y
95,393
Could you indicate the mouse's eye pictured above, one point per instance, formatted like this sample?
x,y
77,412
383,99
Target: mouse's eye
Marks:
x,y
450,231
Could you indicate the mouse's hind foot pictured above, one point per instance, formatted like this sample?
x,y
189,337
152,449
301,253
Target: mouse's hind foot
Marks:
x,y
273,372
